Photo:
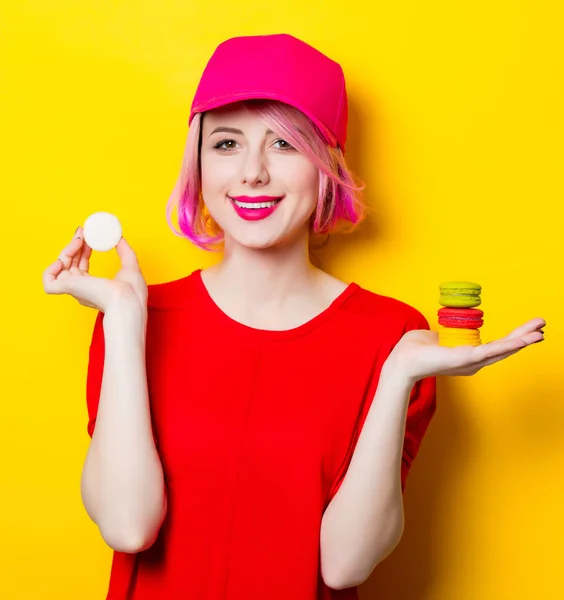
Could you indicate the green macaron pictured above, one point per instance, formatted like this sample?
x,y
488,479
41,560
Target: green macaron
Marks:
x,y
460,294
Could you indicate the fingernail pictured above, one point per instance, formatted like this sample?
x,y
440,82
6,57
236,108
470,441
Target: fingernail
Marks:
x,y
76,229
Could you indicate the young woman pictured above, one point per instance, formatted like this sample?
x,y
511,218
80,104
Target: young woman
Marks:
x,y
253,423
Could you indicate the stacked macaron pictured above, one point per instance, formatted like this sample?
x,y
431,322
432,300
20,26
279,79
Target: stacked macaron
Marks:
x,y
459,320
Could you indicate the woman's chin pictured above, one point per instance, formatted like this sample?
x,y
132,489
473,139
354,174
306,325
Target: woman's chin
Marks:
x,y
255,241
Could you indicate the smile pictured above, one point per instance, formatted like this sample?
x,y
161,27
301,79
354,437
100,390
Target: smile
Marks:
x,y
255,208
255,205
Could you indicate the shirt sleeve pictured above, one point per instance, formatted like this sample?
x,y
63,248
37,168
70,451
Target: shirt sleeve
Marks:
x,y
95,372
421,409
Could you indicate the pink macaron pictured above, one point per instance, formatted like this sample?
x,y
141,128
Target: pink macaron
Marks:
x,y
466,318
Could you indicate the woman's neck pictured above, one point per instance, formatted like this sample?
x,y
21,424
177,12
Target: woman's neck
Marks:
x,y
273,288
264,275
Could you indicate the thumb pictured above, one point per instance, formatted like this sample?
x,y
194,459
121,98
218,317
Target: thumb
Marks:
x,y
50,282
126,254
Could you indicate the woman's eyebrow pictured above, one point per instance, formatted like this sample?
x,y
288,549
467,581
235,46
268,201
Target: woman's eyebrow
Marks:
x,y
233,130
226,130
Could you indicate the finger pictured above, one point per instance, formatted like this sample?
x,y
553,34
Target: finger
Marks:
x,y
88,290
499,347
490,361
126,254
50,276
473,369
491,350
69,251
75,261
84,264
76,258
529,326
495,359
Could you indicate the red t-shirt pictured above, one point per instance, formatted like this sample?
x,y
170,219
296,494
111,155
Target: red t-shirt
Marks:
x,y
255,430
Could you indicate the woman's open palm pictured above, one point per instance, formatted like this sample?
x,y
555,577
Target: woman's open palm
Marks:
x,y
69,274
420,354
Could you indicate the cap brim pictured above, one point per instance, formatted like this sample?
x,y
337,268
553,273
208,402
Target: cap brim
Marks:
x,y
220,101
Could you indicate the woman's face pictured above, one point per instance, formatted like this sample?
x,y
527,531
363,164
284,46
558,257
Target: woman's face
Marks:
x,y
258,189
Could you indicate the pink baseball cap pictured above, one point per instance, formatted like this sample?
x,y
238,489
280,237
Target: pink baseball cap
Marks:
x,y
277,67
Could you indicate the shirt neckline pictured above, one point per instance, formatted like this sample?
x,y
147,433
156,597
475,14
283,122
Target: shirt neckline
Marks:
x,y
276,333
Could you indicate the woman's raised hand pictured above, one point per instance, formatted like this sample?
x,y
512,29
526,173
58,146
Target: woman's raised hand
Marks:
x,y
69,275
418,353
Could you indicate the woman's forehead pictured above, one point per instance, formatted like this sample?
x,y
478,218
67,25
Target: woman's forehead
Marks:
x,y
235,111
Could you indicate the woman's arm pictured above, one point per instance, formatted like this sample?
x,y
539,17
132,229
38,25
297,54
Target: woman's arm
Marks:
x,y
122,481
364,521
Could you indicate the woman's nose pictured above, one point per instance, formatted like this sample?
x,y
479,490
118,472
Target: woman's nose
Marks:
x,y
254,169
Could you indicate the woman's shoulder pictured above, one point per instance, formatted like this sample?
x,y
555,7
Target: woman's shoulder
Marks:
x,y
174,294
376,308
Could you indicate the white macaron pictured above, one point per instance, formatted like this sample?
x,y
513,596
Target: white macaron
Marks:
x,y
102,231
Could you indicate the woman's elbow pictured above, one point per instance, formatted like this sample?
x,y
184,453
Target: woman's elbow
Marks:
x,y
133,537
345,578
352,573
338,583
128,542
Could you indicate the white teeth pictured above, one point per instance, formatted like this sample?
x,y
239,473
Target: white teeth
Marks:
x,y
255,204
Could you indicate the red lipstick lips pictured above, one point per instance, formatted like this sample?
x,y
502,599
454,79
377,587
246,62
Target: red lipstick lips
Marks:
x,y
255,208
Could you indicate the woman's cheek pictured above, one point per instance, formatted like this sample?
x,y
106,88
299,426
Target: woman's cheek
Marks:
x,y
221,173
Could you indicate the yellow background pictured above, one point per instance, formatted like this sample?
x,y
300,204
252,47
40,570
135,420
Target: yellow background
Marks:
x,y
457,128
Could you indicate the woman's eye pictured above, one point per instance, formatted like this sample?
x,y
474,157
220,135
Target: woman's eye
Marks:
x,y
226,145
284,145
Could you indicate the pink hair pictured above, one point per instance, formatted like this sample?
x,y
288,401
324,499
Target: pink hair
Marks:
x,y
339,199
